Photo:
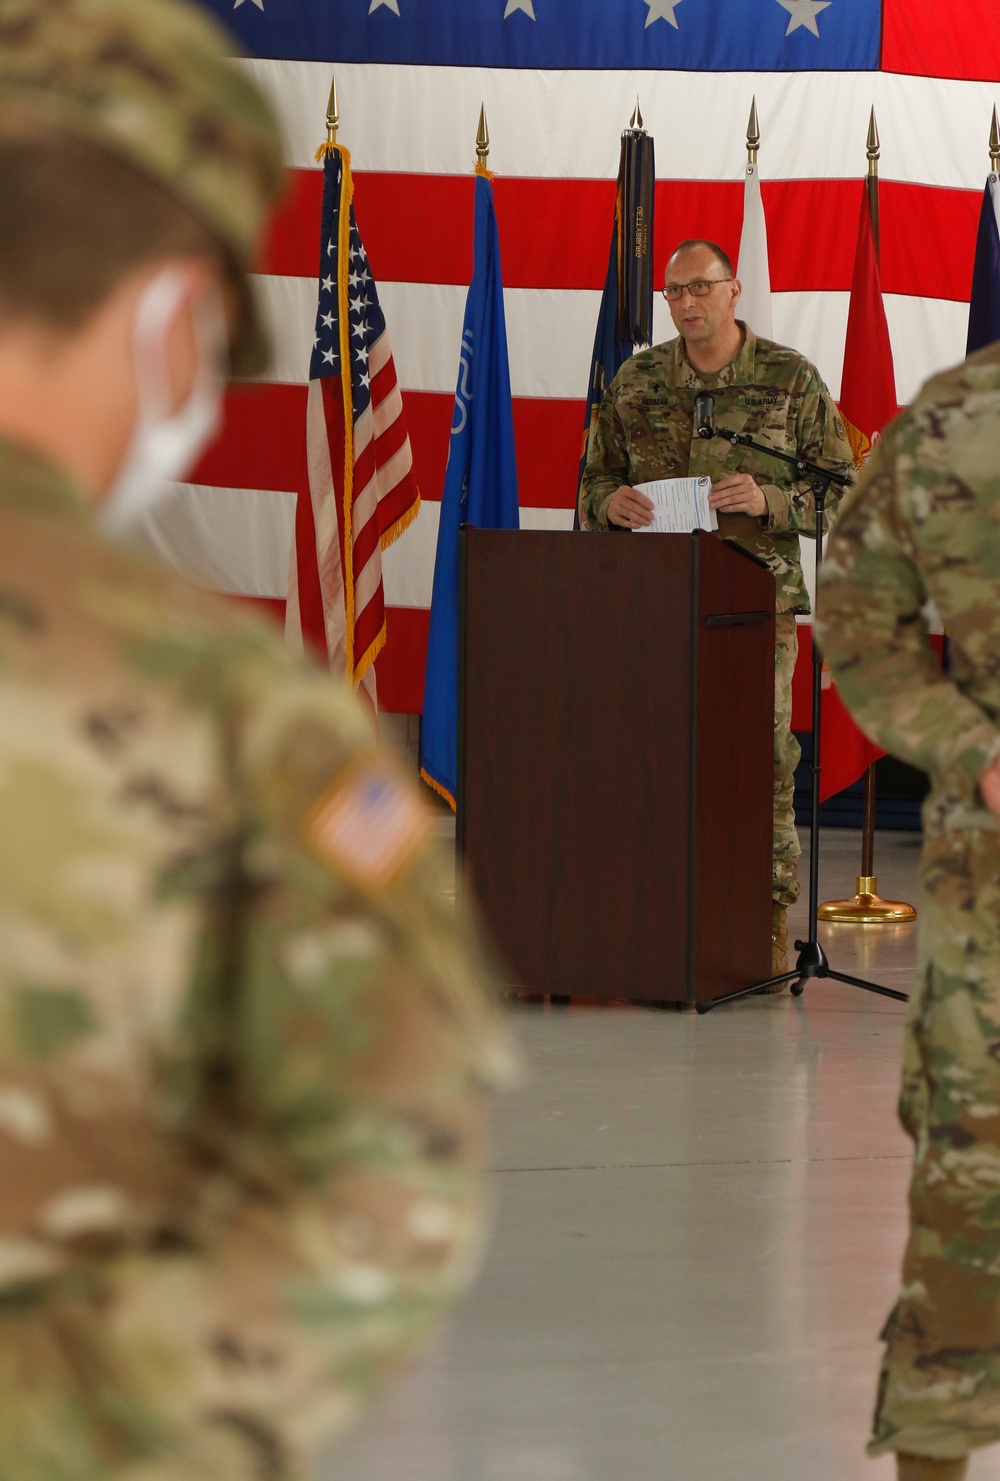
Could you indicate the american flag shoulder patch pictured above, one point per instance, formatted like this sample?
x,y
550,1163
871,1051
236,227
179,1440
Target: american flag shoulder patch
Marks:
x,y
369,826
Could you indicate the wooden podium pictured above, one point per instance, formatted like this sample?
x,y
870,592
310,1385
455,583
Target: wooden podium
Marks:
x,y
615,759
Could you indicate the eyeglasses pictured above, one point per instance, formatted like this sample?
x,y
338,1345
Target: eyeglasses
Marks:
x,y
698,288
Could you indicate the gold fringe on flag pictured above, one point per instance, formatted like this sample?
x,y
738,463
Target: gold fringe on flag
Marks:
x,y
437,787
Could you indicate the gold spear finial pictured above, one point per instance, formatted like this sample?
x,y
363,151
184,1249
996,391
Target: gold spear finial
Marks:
x,y
995,143
332,113
482,140
635,122
753,134
874,147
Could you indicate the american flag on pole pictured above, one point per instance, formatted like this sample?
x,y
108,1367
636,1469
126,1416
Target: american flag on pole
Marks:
x,y
361,491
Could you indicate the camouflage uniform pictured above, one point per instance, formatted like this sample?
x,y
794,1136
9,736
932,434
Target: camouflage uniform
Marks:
x,y
244,1037
644,432
923,524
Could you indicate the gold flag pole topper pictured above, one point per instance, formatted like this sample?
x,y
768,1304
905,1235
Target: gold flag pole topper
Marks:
x,y
867,908
753,137
874,154
330,145
483,145
332,114
995,146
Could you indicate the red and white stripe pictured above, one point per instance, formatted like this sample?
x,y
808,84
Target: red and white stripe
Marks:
x,y
384,500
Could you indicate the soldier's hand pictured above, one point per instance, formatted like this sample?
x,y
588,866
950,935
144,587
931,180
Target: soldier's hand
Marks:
x,y
737,494
630,508
989,786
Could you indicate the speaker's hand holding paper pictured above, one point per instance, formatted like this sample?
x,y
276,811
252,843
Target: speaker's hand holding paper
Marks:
x,y
629,508
679,505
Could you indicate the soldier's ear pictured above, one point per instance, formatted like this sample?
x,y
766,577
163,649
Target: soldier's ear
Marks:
x,y
736,290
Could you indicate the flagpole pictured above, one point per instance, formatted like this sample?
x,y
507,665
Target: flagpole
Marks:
x,y
874,154
332,114
866,907
752,267
867,891
482,143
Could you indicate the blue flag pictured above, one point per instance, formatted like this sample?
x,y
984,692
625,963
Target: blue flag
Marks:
x,y
984,308
610,353
480,487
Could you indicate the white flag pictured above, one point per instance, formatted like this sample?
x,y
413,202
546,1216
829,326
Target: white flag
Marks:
x,y
753,271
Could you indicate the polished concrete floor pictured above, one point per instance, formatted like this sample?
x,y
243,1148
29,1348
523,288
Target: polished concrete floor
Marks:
x,y
699,1230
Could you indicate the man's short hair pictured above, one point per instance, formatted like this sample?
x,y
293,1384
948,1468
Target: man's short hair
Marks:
x,y
723,258
76,221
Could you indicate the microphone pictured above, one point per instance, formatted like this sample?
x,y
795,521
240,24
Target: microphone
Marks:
x,y
704,414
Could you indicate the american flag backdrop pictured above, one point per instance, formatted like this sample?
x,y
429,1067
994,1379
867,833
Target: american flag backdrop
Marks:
x,y
560,79
362,493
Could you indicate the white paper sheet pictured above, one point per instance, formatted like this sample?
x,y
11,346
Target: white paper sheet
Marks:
x,y
679,506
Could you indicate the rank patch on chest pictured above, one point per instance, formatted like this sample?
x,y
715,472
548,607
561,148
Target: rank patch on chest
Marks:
x,y
369,826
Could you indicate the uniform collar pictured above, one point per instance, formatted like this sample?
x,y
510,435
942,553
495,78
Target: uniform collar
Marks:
x,y
30,484
739,371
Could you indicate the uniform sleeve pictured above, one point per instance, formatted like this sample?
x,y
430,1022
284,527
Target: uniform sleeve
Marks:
x,y
819,436
608,466
874,584
246,1229
363,1038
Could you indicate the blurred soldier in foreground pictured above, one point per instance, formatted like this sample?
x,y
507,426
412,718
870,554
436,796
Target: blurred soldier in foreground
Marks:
x,y
925,523
243,1041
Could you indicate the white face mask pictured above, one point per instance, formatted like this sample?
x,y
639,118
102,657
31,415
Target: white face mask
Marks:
x,y
166,443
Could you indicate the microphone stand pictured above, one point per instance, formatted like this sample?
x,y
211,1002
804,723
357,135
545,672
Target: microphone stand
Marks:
x,y
812,959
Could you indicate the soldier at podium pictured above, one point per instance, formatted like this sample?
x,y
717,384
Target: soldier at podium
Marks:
x,y
645,431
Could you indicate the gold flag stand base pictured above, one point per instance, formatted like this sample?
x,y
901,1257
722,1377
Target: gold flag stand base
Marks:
x,y
867,908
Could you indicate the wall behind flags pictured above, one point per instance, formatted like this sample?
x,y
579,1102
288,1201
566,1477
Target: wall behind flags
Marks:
x,y
559,79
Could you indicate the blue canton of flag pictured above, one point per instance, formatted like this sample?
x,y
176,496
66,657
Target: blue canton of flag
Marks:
x,y
365,319
480,487
984,308
698,35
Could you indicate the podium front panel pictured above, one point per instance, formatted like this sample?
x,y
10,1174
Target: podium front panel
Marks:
x,y
734,772
579,787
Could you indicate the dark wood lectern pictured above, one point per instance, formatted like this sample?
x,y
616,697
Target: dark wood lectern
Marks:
x,y
615,771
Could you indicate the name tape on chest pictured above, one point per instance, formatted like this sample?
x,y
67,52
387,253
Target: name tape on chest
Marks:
x,y
369,826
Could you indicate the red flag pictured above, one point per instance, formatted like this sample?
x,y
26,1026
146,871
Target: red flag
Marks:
x,y
361,490
867,404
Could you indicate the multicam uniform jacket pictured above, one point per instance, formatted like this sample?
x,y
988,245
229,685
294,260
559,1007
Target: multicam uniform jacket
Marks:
x,y
244,1037
645,432
924,522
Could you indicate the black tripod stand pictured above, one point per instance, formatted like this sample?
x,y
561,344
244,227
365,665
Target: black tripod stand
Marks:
x,y
812,959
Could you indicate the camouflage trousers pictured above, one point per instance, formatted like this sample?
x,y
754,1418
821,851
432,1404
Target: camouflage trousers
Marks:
x,y
785,878
939,1393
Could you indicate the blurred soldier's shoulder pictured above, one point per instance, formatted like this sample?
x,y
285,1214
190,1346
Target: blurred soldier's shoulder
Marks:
x,y
940,457
954,402
78,609
178,720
